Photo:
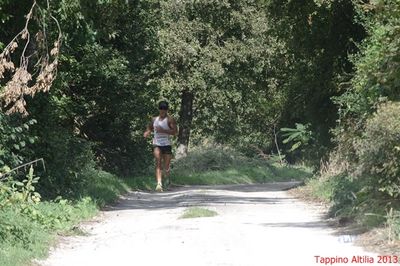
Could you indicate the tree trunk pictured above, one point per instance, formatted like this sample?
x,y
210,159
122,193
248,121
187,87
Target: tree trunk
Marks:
x,y
185,122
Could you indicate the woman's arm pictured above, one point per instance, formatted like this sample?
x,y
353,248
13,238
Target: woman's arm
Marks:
x,y
149,128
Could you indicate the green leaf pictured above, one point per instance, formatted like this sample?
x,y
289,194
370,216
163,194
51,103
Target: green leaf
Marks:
x,y
285,129
300,126
292,136
295,146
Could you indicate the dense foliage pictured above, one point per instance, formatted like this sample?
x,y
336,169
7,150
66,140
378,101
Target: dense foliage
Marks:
x,y
327,72
220,59
366,157
376,78
234,71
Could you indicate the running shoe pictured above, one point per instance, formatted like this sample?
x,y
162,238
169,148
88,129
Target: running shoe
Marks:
x,y
159,188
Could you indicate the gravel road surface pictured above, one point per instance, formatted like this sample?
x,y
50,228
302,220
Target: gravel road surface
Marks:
x,y
255,225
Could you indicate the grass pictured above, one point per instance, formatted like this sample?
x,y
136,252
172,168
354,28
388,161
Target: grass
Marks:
x,y
219,166
144,182
197,212
368,212
104,187
222,166
22,240
28,230
320,190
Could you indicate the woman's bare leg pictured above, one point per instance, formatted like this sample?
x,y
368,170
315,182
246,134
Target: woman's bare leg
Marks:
x,y
158,170
167,166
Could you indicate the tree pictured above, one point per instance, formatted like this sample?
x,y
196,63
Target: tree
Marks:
x,y
101,96
320,36
217,57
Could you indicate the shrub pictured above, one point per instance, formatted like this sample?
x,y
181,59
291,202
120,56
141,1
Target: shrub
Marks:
x,y
378,150
27,226
19,192
219,164
69,160
345,194
15,138
209,158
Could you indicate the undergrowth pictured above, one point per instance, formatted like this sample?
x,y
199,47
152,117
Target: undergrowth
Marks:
x,y
352,200
223,165
28,226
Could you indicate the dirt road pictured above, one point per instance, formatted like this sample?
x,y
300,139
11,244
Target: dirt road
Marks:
x,y
255,225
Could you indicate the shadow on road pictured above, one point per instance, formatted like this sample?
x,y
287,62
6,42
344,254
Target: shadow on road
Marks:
x,y
273,186
204,195
317,224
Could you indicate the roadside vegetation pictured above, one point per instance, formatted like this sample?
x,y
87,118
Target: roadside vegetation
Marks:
x,y
223,165
30,225
360,179
220,165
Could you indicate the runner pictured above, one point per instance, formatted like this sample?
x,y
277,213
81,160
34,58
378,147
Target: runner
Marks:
x,y
163,127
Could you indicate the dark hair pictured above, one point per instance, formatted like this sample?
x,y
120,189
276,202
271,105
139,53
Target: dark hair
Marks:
x,y
163,105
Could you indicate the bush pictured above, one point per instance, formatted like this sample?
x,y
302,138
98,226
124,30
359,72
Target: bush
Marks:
x,y
28,226
345,194
69,160
209,158
103,187
217,164
15,138
378,150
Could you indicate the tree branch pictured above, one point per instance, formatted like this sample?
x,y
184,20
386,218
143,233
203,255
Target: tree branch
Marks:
x,y
26,81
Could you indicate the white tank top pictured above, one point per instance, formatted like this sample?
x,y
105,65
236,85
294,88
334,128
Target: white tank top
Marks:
x,y
161,139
